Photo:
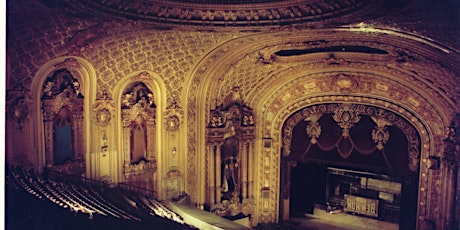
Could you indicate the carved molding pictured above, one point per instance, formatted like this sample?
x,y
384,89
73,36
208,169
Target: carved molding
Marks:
x,y
232,13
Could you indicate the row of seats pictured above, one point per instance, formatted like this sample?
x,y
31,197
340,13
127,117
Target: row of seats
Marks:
x,y
153,206
87,198
76,198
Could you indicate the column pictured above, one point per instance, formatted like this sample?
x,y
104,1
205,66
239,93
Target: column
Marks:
x,y
77,133
449,176
151,143
126,138
49,143
218,172
211,167
49,134
244,168
250,169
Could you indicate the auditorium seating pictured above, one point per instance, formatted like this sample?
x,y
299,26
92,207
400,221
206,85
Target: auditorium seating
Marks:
x,y
79,203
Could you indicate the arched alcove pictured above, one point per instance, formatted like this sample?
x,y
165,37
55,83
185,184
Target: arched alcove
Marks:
x,y
138,113
62,92
140,103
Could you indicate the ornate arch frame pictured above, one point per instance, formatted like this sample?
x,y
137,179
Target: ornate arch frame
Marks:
x,y
156,85
276,111
85,73
272,154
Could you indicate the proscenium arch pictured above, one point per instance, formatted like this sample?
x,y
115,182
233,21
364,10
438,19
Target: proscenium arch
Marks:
x,y
158,88
85,72
300,116
427,143
275,111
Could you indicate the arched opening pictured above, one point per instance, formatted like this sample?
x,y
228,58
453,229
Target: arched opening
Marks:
x,y
139,134
62,109
350,159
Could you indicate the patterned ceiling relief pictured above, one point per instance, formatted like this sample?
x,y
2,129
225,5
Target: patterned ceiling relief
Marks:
x,y
170,54
246,74
37,34
109,45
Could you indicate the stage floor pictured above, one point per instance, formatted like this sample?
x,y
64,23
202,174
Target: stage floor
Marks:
x,y
339,221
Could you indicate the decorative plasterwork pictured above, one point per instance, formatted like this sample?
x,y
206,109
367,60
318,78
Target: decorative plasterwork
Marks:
x,y
417,70
380,134
146,168
273,124
103,108
69,63
277,89
228,13
313,128
17,104
173,116
230,142
346,115
369,84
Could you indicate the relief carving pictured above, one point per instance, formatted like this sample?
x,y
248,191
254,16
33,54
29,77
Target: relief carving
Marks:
x,y
102,107
17,106
173,116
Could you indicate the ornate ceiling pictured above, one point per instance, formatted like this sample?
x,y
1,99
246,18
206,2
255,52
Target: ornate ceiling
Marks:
x,y
234,12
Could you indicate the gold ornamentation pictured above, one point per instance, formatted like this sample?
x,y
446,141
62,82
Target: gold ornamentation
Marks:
x,y
345,83
103,117
172,123
313,128
346,116
173,116
102,108
380,134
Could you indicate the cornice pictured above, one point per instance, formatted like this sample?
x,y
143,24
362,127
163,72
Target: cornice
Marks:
x,y
226,13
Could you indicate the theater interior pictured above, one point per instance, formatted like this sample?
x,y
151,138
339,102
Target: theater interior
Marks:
x,y
232,114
